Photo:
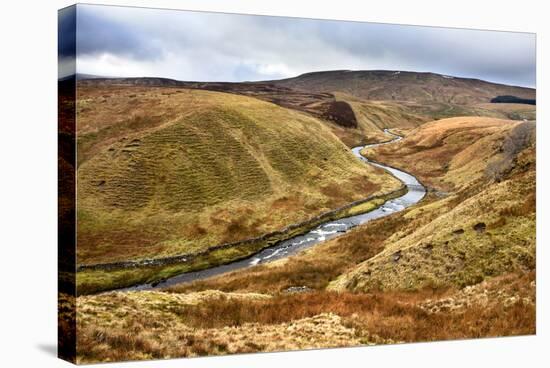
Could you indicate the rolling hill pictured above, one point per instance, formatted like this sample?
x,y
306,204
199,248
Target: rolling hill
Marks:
x,y
357,105
480,221
458,265
168,167
403,86
173,171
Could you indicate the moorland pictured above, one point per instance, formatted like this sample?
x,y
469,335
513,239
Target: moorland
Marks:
x,y
167,168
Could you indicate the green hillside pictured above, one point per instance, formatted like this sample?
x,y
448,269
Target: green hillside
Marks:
x,y
214,168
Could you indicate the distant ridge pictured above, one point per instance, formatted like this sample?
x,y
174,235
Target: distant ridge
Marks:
x,y
404,86
383,85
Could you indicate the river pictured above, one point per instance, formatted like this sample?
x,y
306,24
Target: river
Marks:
x,y
323,232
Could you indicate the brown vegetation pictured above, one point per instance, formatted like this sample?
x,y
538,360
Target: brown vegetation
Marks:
x,y
484,228
159,325
460,264
449,154
314,269
403,86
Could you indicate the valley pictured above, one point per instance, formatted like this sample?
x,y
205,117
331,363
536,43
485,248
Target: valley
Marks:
x,y
171,169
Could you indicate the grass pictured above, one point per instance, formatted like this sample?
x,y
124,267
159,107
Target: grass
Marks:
x,y
460,264
314,268
511,110
373,117
212,168
422,88
446,154
484,228
160,325
430,252
92,281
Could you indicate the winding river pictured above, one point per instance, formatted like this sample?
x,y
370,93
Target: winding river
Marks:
x,y
325,231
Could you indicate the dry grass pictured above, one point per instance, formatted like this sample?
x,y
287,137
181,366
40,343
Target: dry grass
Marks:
x,y
451,249
91,281
448,154
403,86
373,117
404,278
160,325
314,268
485,228
512,111
66,326
399,279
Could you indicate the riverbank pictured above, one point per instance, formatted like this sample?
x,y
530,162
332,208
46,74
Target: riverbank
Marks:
x,y
111,276
147,274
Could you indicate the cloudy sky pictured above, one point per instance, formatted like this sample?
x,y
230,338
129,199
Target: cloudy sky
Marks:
x,y
194,46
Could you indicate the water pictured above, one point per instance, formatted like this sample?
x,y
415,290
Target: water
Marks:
x,y
317,235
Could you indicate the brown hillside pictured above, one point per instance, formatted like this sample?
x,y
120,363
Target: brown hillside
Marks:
x,y
450,153
457,265
403,86
351,112
483,227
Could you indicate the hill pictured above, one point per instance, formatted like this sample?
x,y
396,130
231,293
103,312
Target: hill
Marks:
x,y
353,120
373,117
174,171
480,221
356,106
449,154
403,86
459,264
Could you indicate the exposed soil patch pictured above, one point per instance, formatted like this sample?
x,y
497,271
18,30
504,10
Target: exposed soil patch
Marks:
x,y
341,113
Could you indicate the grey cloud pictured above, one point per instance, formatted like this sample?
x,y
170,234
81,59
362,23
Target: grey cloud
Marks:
x,y
99,34
225,47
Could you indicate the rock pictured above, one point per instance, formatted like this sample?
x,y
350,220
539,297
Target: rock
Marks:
x,y
480,227
397,256
297,289
156,283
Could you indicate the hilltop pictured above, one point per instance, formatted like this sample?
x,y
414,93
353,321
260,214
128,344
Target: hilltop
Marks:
x,y
403,86
358,105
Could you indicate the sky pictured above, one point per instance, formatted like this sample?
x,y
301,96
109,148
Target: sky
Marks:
x,y
197,46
